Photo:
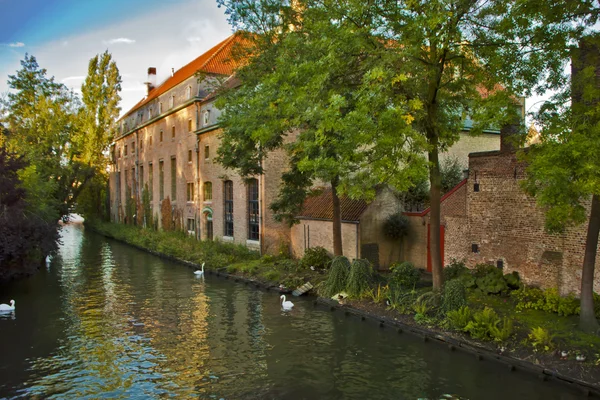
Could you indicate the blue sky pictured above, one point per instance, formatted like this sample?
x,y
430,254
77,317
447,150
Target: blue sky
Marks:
x,y
64,34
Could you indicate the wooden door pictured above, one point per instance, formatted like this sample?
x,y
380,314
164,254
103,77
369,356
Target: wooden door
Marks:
x,y
442,232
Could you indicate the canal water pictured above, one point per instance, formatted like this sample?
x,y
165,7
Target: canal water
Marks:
x,y
108,321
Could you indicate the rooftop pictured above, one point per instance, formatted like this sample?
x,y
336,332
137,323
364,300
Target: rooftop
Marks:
x,y
320,207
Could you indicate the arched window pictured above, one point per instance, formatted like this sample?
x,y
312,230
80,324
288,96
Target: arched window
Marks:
x,y
253,214
228,208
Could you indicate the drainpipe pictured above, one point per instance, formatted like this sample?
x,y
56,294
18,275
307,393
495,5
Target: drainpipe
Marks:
x,y
261,219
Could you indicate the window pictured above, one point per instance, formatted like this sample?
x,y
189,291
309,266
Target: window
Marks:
x,y
190,125
253,225
173,179
209,226
171,101
141,145
206,117
141,177
119,153
173,132
125,150
150,113
132,147
189,92
228,207
160,108
191,226
151,180
161,180
150,140
133,187
189,156
190,192
161,135
206,152
207,191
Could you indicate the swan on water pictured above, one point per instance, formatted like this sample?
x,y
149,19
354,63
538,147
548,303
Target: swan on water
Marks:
x,y
286,305
199,272
4,308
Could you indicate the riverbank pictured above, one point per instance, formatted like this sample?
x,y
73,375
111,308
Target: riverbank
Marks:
x,y
517,351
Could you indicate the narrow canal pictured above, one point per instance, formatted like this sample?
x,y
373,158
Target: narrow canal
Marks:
x,y
109,321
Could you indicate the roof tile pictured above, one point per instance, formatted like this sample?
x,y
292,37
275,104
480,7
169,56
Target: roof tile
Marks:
x,y
320,207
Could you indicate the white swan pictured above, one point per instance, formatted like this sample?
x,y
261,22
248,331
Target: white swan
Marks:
x,y
5,308
286,305
199,272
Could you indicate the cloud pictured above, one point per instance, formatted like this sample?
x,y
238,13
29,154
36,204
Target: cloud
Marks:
x,y
120,40
16,44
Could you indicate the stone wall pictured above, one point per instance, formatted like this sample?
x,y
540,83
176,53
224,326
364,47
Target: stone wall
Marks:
x,y
507,228
311,233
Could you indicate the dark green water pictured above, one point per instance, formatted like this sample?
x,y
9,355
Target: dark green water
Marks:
x,y
109,321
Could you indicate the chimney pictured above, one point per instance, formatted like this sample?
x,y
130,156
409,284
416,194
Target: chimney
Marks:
x,y
172,71
151,83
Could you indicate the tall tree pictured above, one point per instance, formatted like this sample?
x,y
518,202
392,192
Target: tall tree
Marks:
x,y
301,90
98,117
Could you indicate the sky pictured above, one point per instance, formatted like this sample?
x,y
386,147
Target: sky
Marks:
x,y
64,35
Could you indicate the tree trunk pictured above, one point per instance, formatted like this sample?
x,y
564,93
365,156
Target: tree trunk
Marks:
x,y
435,195
337,219
587,318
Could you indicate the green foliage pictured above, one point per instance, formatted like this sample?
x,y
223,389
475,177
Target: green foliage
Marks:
x,y
147,207
501,334
459,319
272,275
513,280
454,270
317,257
337,279
292,282
454,296
130,207
359,278
451,171
404,275
379,294
395,226
490,279
548,300
541,339
482,324
400,299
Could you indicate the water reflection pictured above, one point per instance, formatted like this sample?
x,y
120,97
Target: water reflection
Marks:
x,y
110,321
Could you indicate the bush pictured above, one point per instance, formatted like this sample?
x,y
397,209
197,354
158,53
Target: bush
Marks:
x,y
546,300
454,296
541,339
401,300
395,226
455,270
482,324
359,278
316,257
379,294
460,318
490,279
337,278
513,280
404,275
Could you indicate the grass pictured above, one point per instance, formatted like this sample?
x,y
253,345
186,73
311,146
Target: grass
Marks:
x,y
235,259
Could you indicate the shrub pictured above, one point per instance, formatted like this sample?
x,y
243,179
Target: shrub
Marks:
x,y
379,294
454,296
272,275
395,226
287,264
458,319
337,278
404,275
292,282
541,339
481,325
316,257
401,300
359,278
455,270
489,279
513,280
547,300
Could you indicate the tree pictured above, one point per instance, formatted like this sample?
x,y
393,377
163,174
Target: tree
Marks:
x,y
563,169
301,90
98,116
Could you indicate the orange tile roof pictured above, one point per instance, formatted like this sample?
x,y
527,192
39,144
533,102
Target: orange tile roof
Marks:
x,y
217,60
320,207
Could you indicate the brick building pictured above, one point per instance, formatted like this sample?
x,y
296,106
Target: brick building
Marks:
x,y
169,141
488,218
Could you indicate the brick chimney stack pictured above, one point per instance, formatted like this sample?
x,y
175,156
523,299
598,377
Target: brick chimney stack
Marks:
x,y
151,82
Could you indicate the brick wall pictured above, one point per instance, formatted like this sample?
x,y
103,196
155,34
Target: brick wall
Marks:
x,y
506,225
